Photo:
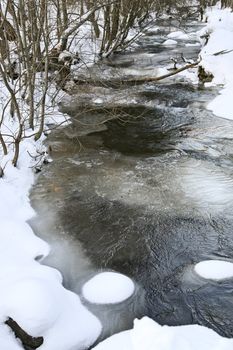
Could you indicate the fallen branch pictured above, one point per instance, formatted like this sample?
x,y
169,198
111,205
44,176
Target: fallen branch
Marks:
x,y
170,74
27,340
135,81
222,52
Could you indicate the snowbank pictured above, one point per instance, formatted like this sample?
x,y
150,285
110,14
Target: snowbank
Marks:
x,y
217,57
30,293
108,288
214,269
149,335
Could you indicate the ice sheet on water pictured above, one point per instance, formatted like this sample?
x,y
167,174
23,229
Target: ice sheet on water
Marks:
x,y
207,185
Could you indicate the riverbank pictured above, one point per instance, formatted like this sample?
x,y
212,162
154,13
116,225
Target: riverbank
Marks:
x,y
32,293
25,274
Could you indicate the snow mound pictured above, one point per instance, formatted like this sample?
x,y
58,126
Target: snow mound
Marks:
x,y
149,335
31,293
192,44
19,243
8,342
169,42
178,35
214,269
108,288
222,105
98,101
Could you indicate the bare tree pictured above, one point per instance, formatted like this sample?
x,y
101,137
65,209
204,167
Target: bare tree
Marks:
x,y
36,42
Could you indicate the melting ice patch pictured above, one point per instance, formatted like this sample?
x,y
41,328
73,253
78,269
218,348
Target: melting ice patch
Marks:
x,y
180,186
206,184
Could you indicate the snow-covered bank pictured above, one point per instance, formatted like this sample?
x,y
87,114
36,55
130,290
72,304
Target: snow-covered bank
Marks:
x,y
217,57
32,294
149,335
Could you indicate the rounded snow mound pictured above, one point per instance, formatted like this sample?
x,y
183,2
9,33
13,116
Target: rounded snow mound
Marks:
x,y
178,35
149,335
169,42
108,288
214,269
31,303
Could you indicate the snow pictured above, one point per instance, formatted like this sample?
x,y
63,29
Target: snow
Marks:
x,y
119,288
64,55
149,335
214,269
118,341
169,42
98,101
31,293
192,44
8,342
178,35
222,105
217,58
153,29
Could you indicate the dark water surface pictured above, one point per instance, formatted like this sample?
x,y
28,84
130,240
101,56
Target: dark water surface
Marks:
x,y
148,194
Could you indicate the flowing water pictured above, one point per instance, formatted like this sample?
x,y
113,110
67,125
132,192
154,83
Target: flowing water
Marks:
x,y
142,183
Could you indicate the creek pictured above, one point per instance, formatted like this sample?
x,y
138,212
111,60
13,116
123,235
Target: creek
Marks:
x,y
142,183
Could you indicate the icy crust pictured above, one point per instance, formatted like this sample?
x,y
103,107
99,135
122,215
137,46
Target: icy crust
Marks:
x,y
108,288
214,269
217,58
149,335
30,293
